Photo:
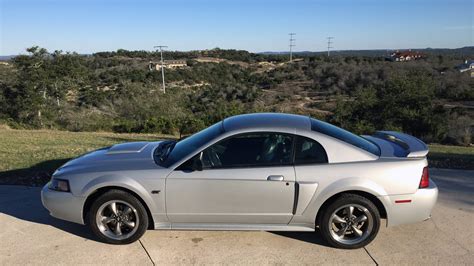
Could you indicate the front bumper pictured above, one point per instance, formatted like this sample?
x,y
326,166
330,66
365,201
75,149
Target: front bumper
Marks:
x,y
418,209
63,205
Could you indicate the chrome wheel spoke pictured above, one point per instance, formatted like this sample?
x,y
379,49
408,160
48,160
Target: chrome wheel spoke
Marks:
x,y
129,224
360,219
113,207
338,219
105,220
349,211
357,231
118,230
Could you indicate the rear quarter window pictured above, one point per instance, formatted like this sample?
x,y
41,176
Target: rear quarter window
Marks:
x,y
344,135
309,151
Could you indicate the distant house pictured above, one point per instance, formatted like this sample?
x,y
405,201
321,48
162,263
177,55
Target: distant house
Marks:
x,y
170,64
4,63
468,65
405,56
209,60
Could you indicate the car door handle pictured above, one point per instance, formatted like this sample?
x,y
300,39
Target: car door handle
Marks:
x,y
275,178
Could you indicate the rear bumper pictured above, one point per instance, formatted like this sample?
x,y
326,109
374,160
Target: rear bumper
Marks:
x,y
411,208
63,205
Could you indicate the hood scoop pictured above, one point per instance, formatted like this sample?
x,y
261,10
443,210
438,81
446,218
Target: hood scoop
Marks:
x,y
129,147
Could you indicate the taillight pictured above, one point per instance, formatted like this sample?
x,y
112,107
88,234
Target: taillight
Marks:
x,y
425,178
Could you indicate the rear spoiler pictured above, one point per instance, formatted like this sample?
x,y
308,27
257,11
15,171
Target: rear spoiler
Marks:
x,y
413,146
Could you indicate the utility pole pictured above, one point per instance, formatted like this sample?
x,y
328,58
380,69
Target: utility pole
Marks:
x,y
162,67
329,44
292,44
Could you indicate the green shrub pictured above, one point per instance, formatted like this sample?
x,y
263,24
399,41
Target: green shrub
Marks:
x,y
125,126
188,125
158,125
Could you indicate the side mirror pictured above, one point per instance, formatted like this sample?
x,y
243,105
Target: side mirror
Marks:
x,y
197,164
193,164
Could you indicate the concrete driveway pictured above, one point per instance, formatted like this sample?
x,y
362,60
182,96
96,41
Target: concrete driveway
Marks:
x,y
28,235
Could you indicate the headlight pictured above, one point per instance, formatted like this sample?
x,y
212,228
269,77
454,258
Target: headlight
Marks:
x,y
59,185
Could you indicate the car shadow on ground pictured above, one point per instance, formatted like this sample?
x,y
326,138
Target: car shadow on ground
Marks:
x,y
25,203
308,237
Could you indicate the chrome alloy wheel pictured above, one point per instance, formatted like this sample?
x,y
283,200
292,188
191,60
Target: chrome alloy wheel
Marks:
x,y
117,219
351,224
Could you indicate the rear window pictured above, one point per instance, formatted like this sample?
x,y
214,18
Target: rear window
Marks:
x,y
344,135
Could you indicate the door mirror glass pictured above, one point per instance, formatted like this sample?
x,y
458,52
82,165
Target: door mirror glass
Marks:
x,y
193,164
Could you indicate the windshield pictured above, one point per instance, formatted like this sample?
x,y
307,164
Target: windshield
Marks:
x,y
186,146
344,135
162,151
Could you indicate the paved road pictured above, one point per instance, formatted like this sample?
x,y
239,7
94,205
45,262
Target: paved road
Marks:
x,y
28,235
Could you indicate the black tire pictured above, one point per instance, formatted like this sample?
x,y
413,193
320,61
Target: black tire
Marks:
x,y
138,214
350,240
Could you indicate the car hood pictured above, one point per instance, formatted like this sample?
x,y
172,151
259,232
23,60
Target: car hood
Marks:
x,y
124,156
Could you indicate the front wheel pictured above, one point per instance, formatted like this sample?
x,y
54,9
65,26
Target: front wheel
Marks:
x,y
117,217
350,222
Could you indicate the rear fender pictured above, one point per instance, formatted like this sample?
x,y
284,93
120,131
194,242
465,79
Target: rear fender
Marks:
x,y
342,185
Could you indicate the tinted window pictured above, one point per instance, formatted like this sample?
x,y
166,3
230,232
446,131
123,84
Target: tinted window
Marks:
x,y
344,135
188,145
252,149
309,151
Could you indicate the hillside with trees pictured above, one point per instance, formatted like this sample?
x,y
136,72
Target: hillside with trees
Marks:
x,y
116,91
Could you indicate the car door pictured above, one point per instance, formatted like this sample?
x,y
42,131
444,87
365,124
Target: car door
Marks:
x,y
245,179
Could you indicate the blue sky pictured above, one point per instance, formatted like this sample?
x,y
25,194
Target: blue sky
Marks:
x,y
101,25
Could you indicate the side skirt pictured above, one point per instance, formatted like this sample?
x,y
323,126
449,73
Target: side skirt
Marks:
x,y
234,227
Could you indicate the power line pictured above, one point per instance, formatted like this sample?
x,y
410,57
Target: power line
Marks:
x,y
292,44
329,44
162,67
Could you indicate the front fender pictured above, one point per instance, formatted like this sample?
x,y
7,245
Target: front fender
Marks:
x,y
122,182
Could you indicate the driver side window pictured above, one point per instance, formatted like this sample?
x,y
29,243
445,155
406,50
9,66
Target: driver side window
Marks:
x,y
250,149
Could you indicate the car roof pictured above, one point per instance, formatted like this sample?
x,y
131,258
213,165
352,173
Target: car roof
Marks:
x,y
267,120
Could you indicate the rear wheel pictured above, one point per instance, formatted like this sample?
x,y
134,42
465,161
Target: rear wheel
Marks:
x,y
351,221
117,217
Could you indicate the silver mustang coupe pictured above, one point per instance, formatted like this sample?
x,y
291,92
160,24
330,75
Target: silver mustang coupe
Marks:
x,y
275,172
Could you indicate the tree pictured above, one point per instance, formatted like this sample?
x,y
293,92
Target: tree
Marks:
x,y
33,84
404,103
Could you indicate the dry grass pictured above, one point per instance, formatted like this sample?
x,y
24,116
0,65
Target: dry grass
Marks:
x,y
29,156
